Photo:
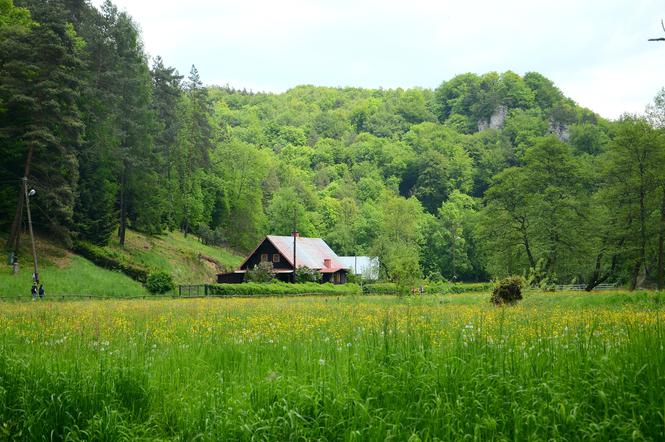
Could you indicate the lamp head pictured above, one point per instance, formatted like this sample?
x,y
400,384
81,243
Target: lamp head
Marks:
x,y
32,192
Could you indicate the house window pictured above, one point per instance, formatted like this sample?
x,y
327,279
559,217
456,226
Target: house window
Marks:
x,y
264,257
275,257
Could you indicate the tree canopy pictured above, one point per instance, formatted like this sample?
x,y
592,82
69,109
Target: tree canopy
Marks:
x,y
486,175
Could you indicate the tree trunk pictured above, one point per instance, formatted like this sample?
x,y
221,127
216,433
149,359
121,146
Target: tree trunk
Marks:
x,y
597,277
635,275
453,251
532,261
643,231
661,239
123,206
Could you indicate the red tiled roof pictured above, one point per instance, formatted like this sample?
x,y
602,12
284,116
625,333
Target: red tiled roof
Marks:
x,y
331,269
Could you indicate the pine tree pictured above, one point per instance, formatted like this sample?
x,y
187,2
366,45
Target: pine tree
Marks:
x,y
41,120
166,93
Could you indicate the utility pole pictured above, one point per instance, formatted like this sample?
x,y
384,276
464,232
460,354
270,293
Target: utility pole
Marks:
x,y
295,237
35,275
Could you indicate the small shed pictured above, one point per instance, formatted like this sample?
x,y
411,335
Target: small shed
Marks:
x,y
366,266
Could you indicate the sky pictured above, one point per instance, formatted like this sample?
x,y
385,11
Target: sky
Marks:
x,y
596,51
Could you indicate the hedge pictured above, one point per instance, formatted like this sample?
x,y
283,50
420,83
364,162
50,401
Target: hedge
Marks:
x,y
110,261
442,288
282,288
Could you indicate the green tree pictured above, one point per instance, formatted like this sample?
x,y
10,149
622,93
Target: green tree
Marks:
x,y
399,238
634,163
196,143
166,94
454,216
286,211
40,121
541,208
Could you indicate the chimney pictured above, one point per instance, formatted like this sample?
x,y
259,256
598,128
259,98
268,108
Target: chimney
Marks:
x,y
326,263
295,234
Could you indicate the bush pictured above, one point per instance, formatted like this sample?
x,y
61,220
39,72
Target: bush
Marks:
x,y
352,278
110,261
282,288
262,272
305,274
508,291
159,282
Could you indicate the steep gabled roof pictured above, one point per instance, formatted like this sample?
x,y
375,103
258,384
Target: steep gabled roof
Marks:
x,y
310,252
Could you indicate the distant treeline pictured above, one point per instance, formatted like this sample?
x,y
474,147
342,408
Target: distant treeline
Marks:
x,y
485,176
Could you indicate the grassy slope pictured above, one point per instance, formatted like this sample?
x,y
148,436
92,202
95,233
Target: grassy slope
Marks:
x,y
186,258
63,272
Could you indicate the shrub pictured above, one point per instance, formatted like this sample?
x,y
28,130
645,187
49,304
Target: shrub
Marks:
x,y
159,282
110,260
508,291
539,278
305,274
282,288
352,278
261,272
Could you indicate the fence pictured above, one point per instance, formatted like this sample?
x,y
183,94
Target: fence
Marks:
x,y
193,291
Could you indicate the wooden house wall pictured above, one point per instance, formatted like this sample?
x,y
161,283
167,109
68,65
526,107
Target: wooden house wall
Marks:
x,y
266,247
339,277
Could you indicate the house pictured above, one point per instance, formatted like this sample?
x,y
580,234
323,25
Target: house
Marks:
x,y
279,250
366,266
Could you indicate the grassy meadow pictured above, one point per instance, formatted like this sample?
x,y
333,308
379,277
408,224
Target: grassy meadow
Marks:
x,y
557,366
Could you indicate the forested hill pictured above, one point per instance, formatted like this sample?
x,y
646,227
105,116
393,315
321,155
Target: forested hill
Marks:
x,y
484,176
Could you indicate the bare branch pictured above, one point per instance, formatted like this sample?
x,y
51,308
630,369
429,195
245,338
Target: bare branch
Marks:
x,y
662,24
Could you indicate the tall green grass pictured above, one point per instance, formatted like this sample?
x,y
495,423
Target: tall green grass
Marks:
x,y
353,368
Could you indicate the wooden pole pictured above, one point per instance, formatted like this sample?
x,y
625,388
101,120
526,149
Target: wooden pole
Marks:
x,y
295,236
35,276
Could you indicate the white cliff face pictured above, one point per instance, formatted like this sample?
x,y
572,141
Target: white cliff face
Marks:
x,y
560,130
496,120
498,117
